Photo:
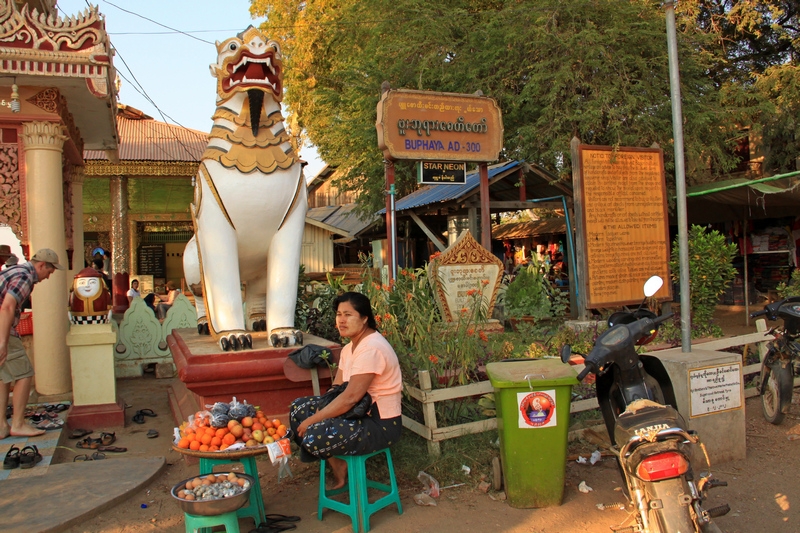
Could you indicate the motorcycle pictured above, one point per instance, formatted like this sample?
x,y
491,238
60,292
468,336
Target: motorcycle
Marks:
x,y
653,450
778,367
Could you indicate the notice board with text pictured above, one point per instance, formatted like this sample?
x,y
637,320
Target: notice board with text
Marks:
x,y
625,226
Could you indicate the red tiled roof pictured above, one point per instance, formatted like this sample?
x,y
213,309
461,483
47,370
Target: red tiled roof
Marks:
x,y
145,139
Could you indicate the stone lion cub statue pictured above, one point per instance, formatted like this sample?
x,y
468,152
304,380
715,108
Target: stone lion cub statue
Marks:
x,y
250,203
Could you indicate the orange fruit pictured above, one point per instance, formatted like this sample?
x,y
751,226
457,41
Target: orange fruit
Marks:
x,y
259,414
232,423
267,423
221,432
247,421
194,445
216,441
203,447
256,426
270,431
213,448
237,431
183,443
223,447
276,422
228,440
281,432
206,439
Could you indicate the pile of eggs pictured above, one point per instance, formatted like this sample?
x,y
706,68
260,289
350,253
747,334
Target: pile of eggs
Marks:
x,y
214,487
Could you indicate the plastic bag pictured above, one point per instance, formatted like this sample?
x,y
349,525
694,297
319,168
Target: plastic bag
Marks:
x,y
237,409
430,483
279,453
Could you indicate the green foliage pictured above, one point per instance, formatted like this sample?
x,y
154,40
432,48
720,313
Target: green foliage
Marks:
x,y
557,68
320,317
532,294
785,290
710,272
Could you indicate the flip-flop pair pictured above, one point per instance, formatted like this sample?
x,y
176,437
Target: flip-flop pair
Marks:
x,y
11,460
96,456
79,433
47,425
276,523
89,443
113,449
141,413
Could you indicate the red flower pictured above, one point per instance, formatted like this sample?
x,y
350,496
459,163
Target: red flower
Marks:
x,y
485,282
433,359
483,336
470,331
472,292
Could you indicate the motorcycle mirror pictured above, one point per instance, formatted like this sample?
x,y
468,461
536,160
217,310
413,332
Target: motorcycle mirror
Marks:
x,y
652,285
566,353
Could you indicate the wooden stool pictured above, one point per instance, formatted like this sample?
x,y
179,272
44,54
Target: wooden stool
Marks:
x,y
255,508
205,523
358,508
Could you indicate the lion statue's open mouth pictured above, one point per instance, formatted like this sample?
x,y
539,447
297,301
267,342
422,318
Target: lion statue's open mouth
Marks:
x,y
249,62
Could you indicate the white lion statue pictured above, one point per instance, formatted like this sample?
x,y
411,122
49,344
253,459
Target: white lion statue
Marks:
x,y
250,203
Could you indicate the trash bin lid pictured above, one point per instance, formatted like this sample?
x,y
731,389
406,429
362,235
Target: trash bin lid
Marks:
x,y
540,372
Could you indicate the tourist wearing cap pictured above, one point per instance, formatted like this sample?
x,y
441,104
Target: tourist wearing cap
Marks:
x,y
16,285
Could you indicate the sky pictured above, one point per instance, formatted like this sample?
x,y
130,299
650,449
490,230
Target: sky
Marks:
x,y
163,72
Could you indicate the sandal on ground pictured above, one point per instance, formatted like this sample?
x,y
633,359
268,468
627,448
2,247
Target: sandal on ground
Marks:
x,y
152,434
107,439
50,424
88,444
61,407
138,418
96,456
274,528
79,433
12,459
29,456
278,518
113,449
146,412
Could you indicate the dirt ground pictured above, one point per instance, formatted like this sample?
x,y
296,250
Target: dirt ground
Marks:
x,y
763,491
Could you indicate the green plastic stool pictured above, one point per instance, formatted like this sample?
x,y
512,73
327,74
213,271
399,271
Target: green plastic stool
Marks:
x,y
358,508
200,523
255,508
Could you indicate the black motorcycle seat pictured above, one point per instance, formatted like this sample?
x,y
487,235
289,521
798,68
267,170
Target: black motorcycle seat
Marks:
x,y
645,416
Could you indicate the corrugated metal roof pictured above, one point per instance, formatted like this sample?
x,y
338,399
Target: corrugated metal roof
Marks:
x,y
145,139
520,230
431,194
340,217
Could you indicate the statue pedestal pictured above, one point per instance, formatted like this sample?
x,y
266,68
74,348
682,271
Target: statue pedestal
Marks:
x,y
94,387
208,375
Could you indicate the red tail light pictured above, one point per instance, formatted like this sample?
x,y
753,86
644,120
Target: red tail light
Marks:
x,y
662,466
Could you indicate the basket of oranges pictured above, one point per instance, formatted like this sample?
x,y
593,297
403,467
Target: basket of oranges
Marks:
x,y
206,433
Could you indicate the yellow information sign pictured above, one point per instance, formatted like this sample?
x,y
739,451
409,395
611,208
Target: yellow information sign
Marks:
x,y
625,225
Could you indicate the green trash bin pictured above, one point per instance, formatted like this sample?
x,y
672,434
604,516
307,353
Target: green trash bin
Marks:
x,y
532,399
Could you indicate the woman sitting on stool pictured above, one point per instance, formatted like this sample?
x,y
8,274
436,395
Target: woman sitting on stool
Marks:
x,y
369,364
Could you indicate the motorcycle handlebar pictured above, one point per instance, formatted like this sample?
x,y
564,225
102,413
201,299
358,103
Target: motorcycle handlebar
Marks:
x,y
586,370
758,313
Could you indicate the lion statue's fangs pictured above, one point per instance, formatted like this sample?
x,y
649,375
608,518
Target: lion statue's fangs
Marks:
x,y
250,203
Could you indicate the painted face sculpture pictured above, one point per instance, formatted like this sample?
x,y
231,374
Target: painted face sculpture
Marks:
x,y
90,299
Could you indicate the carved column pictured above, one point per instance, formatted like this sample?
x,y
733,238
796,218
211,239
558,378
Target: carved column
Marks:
x,y
120,243
43,143
78,253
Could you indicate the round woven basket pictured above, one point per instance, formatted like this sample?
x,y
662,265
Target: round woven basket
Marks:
x,y
237,454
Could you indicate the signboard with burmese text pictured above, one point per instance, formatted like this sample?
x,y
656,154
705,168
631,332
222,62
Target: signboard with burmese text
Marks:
x,y
426,125
463,276
438,172
625,227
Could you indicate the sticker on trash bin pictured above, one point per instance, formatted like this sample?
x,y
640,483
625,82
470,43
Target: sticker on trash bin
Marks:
x,y
537,409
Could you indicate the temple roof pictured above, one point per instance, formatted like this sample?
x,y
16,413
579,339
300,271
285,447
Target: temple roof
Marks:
x,y
141,138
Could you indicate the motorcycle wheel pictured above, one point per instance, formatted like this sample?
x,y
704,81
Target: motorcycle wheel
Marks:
x,y
777,393
673,514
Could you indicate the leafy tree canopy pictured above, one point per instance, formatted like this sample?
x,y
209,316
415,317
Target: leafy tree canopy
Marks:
x,y
595,69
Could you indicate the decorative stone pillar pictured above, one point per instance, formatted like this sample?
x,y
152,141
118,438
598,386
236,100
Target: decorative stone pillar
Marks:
x,y
120,243
78,253
133,236
43,143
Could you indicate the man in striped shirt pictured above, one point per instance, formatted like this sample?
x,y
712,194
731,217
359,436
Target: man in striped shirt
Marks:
x,y
16,285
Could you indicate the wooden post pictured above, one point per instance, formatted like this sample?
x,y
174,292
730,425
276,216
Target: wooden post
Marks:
x,y
578,273
389,171
486,222
429,412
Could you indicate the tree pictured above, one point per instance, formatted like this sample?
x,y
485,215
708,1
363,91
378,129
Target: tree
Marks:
x,y
558,68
